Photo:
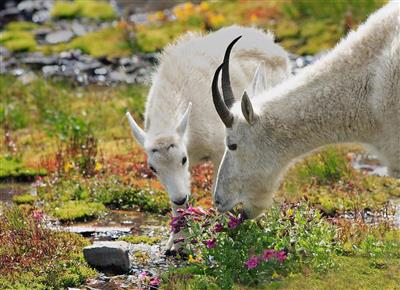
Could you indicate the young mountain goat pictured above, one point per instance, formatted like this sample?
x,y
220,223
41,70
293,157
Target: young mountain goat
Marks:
x,y
350,95
174,136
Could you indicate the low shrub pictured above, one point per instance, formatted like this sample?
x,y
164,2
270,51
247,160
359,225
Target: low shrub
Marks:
x,y
34,257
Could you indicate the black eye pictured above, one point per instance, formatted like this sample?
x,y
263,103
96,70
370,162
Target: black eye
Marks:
x,y
232,147
184,159
153,169
154,150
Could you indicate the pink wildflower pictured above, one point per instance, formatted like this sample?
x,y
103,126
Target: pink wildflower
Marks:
x,y
143,276
281,256
196,210
37,215
155,281
252,262
268,254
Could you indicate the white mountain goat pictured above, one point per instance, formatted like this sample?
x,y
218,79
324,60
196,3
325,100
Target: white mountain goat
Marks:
x,y
177,133
350,95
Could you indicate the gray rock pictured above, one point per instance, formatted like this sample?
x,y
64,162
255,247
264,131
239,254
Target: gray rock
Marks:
x,y
59,36
110,257
78,29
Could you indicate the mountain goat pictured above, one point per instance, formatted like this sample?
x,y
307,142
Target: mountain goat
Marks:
x,y
181,125
350,95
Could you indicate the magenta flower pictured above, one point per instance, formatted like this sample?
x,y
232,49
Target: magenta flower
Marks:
x,y
196,210
177,223
155,281
143,276
210,243
218,228
37,215
252,262
281,256
234,222
268,254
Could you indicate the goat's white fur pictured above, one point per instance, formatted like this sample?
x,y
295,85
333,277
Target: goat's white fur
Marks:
x,y
183,76
350,95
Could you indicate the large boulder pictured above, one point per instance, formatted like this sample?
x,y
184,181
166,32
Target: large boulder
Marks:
x,y
110,257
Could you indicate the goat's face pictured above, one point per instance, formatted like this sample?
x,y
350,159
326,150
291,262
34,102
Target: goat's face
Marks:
x,y
167,157
245,174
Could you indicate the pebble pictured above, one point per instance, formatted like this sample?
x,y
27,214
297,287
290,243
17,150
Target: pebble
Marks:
x,y
59,36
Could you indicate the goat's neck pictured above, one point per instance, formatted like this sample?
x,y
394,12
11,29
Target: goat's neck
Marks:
x,y
329,101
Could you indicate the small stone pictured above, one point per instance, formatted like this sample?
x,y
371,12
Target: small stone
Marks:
x,y
101,71
78,29
110,257
59,36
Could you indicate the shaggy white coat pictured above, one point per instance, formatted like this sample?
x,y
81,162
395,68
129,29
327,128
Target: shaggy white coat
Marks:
x,y
183,76
350,95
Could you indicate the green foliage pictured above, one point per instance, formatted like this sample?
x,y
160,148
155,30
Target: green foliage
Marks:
x,y
24,199
141,239
34,257
11,168
99,10
298,233
75,210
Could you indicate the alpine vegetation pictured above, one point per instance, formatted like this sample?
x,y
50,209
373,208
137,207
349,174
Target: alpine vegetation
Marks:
x,y
181,125
350,95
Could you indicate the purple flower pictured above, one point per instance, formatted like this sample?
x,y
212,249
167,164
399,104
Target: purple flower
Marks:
x,y
252,262
281,256
210,243
177,223
268,254
218,228
234,222
196,210
180,240
194,241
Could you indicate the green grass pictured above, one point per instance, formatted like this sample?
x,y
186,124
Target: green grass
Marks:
x,y
141,239
24,199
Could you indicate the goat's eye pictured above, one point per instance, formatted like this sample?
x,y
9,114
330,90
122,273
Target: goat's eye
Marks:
x,y
153,169
232,147
184,159
154,150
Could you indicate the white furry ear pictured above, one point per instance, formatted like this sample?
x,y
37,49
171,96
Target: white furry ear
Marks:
x,y
259,82
181,129
138,133
247,109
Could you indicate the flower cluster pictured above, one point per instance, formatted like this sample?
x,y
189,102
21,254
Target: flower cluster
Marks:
x,y
268,255
149,281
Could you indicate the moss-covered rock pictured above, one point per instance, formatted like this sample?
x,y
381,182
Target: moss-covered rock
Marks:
x,y
76,210
100,10
24,199
13,169
18,41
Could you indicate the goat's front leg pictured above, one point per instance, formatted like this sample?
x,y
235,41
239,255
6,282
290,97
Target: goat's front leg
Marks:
x,y
171,246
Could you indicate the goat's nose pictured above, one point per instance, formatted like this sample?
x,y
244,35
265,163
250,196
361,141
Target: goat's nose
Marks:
x,y
180,202
217,201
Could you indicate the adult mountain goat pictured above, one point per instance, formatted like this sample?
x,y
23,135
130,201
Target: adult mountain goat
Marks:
x,y
350,95
181,125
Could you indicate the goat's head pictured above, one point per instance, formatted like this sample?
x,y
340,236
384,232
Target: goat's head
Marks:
x,y
244,176
167,157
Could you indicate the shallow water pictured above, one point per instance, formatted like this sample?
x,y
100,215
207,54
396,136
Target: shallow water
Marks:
x,y
9,189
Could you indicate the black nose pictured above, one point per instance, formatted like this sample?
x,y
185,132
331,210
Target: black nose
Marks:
x,y
180,201
217,202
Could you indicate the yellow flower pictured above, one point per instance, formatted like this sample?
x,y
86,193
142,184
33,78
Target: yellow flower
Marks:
x,y
68,166
98,166
191,260
253,18
275,275
204,6
216,20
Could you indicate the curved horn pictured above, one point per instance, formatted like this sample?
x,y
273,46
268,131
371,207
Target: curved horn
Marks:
x,y
226,81
138,133
223,111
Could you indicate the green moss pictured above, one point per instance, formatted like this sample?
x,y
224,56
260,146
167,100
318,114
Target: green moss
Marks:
x,y
21,26
13,169
100,10
141,239
24,199
18,41
76,210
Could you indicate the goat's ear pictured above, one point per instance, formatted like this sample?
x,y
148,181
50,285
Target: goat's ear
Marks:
x,y
259,82
181,129
247,109
138,133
